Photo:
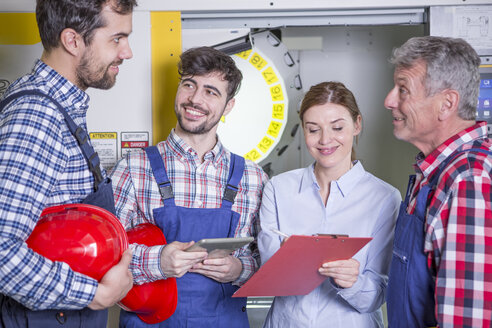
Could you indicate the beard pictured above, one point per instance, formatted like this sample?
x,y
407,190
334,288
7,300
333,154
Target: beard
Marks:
x,y
203,128
90,74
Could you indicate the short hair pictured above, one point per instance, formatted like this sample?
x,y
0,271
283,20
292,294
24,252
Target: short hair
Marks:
x,y
451,63
201,61
84,16
333,93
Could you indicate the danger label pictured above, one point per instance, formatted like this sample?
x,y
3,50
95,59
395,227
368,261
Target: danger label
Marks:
x,y
133,140
134,144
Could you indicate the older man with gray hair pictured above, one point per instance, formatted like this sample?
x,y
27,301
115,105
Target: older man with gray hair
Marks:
x,y
440,273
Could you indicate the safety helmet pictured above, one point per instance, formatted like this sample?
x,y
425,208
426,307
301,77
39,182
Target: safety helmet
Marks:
x,y
92,240
156,301
88,238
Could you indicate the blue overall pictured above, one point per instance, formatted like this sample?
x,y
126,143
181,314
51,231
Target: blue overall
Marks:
x,y
202,302
14,314
411,286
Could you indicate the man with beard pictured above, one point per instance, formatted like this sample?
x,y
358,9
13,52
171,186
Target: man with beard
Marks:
x,y
191,187
46,159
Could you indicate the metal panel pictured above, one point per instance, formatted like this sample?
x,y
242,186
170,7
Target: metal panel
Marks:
x,y
258,5
270,19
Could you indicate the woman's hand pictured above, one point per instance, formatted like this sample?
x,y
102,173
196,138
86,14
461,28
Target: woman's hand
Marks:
x,y
343,272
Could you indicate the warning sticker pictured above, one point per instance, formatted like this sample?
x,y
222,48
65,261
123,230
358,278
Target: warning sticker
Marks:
x,y
106,146
133,140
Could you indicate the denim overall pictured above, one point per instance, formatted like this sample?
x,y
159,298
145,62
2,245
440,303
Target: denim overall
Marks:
x,y
411,286
202,302
14,314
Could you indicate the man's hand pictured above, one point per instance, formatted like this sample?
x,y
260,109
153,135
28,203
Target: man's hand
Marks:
x,y
224,269
114,285
175,262
344,272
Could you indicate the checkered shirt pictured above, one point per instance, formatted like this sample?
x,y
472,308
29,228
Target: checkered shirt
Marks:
x,y
195,185
41,165
458,231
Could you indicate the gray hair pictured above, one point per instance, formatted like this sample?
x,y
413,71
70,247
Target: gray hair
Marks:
x,y
451,63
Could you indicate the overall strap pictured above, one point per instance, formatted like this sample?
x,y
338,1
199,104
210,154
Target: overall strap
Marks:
x,y
77,131
160,175
421,205
422,197
236,171
411,182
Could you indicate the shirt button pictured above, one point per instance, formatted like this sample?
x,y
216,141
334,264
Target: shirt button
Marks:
x,y
198,204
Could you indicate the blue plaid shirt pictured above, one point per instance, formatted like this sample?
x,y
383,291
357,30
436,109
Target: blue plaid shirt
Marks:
x,y
41,165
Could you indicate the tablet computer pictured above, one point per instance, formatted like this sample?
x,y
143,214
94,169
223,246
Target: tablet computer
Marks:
x,y
219,247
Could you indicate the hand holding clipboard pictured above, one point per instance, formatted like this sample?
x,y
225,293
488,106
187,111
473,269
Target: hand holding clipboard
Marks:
x,y
343,272
293,269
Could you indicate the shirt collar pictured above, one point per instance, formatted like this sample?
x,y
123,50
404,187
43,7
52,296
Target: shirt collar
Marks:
x,y
345,184
183,150
427,165
69,95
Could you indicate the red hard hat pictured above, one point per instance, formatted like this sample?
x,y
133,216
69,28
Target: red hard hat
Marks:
x,y
88,238
156,301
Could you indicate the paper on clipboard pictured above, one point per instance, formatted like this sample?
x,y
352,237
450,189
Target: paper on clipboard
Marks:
x,y
293,269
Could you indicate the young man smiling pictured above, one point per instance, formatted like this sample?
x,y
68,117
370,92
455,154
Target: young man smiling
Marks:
x,y
42,163
191,187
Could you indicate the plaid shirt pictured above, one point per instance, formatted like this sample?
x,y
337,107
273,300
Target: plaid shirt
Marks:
x,y
458,232
41,165
195,185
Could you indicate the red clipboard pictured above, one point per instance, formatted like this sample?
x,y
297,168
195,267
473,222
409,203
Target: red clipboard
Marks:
x,y
293,269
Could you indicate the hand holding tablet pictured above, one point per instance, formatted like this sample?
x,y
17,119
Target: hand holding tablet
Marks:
x,y
219,247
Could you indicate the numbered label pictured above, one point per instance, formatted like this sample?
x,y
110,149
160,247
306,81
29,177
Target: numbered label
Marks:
x,y
277,93
265,144
278,111
258,62
269,76
244,54
274,128
253,155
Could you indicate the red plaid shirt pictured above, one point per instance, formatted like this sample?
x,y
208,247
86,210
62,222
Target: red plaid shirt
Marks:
x,y
458,231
